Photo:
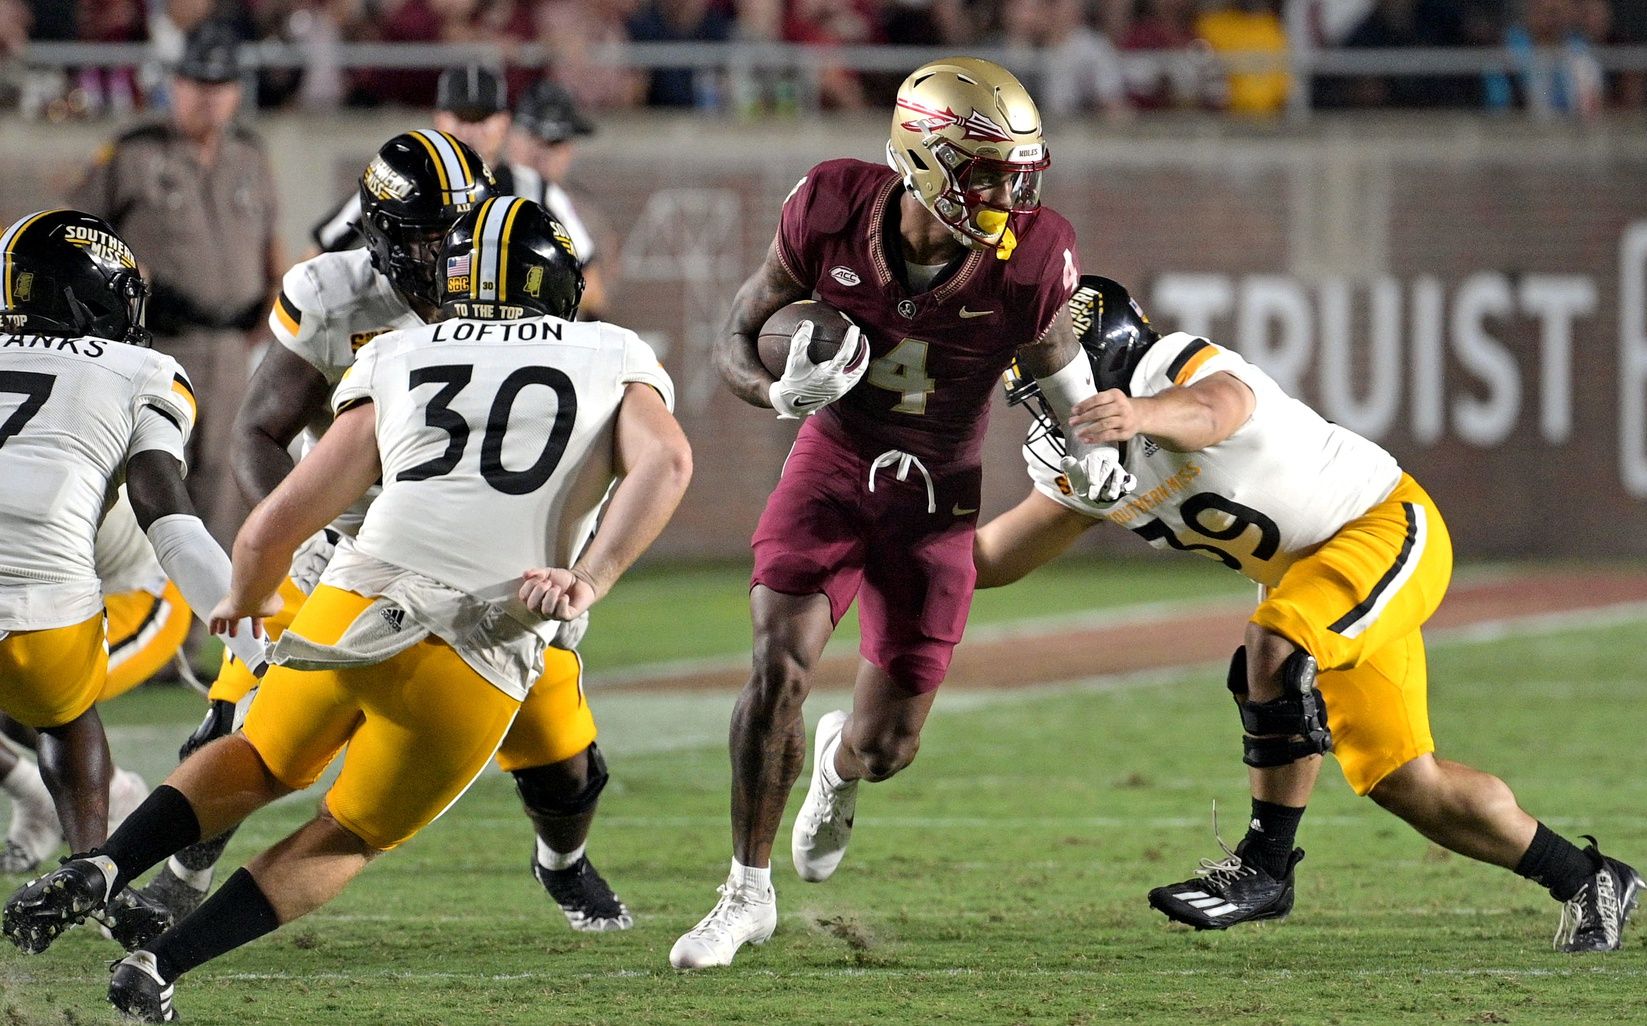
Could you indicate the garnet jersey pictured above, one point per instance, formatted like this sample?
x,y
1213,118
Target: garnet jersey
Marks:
x,y
937,355
72,412
496,443
1258,501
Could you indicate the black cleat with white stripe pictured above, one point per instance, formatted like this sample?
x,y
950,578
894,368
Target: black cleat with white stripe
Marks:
x,y
137,991
1594,918
1228,891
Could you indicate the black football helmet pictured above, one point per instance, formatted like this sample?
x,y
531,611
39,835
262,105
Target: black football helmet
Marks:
x,y
508,259
411,194
1115,333
68,273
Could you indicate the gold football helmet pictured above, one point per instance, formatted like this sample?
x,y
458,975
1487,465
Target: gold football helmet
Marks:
x,y
967,138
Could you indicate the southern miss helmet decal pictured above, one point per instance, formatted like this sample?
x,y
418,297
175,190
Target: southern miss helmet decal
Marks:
x,y
65,272
385,182
508,259
411,193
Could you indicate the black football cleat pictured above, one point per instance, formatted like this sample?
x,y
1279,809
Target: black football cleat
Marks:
x,y
584,896
173,892
137,991
132,919
43,909
1226,892
1594,918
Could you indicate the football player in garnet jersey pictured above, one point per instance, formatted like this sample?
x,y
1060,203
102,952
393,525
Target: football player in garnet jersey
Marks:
x,y
1353,557
950,268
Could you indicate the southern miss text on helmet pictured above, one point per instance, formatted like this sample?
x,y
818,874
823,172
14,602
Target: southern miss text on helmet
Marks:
x,y
967,139
67,272
508,259
411,194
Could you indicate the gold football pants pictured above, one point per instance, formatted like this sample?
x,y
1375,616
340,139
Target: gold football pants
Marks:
x,y
1357,605
145,632
554,724
49,677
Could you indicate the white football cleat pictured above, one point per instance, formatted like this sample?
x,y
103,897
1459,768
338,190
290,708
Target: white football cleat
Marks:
x,y
126,792
740,917
824,825
33,835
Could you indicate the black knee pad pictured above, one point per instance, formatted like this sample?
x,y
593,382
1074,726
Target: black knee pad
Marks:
x,y
1293,726
542,793
219,722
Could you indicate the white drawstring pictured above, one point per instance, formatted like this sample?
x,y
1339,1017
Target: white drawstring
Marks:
x,y
904,461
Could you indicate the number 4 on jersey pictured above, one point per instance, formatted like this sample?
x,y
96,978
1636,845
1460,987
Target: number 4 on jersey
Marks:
x,y
904,371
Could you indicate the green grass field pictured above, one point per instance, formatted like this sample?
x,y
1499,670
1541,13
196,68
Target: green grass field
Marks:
x,y
999,880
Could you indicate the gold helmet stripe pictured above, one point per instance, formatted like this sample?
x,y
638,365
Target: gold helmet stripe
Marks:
x,y
435,155
476,249
457,165
487,261
503,250
8,242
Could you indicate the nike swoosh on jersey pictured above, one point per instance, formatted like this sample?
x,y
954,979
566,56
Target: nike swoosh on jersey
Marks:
x,y
957,511
975,313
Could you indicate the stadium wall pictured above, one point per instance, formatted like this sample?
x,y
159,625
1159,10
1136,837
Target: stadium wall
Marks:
x,y
1472,293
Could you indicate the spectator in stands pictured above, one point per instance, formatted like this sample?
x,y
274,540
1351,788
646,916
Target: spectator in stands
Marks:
x,y
571,29
927,23
1081,70
825,23
1250,30
1186,77
1401,23
1570,84
683,21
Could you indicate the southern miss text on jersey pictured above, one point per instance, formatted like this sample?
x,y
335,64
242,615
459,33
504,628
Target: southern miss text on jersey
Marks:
x,y
1280,485
937,353
72,410
496,442
329,307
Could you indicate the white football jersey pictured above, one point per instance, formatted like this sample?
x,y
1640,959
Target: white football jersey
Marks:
x,y
496,443
1258,501
329,307
125,559
72,411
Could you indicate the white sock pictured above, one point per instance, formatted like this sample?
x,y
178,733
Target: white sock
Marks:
x,y
832,775
748,878
199,879
549,858
23,783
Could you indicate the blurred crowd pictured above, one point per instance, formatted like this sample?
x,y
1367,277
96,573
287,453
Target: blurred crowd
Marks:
x,y
1106,56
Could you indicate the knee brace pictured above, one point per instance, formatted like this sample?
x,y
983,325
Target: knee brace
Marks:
x,y
1286,729
219,722
542,792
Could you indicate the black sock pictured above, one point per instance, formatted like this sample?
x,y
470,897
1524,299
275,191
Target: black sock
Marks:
x,y
165,823
1270,835
1557,863
237,914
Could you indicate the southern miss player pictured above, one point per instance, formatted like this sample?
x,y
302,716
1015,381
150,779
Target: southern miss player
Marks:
x,y
497,435
411,193
1353,557
85,405
949,266
146,621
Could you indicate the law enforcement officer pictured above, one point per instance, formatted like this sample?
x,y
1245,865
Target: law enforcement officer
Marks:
x,y
195,195
543,147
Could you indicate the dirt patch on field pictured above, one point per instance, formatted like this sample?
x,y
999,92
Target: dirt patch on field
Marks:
x,y
1020,658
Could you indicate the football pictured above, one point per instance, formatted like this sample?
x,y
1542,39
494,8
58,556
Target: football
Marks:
x,y
829,328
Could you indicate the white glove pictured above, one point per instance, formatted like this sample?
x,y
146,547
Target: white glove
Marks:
x,y
571,632
1098,476
806,386
310,559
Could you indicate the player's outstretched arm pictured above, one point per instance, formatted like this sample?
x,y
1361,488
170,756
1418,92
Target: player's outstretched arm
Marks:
x,y
317,491
1059,365
285,395
1029,535
654,460
1186,419
189,555
766,291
